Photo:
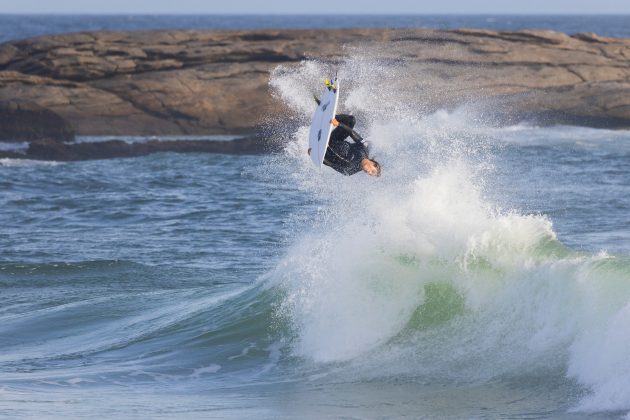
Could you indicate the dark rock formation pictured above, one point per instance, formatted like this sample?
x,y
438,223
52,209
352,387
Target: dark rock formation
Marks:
x,y
51,150
25,121
213,82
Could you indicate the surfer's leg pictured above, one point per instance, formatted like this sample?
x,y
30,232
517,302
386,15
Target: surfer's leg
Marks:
x,y
346,119
337,135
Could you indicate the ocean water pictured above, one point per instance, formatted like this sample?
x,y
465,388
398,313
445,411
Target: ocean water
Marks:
x,y
486,274
26,26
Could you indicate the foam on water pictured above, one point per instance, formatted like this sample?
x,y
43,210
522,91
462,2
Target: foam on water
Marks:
x,y
145,139
9,162
418,274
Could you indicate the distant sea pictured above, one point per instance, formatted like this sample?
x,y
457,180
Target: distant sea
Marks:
x,y
25,26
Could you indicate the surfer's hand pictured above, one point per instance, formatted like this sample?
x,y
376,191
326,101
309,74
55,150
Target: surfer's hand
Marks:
x,y
334,122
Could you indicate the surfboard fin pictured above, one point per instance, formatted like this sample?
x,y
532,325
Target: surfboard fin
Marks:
x,y
330,85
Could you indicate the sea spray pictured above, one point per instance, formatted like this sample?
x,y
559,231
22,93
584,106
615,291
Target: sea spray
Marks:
x,y
362,278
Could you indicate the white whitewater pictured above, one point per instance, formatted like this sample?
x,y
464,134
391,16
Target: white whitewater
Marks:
x,y
420,274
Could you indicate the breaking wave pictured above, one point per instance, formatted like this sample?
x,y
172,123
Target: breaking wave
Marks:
x,y
418,274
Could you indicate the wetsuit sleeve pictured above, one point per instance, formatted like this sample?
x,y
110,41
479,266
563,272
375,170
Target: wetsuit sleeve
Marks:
x,y
353,134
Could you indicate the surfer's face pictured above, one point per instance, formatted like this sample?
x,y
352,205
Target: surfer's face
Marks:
x,y
369,167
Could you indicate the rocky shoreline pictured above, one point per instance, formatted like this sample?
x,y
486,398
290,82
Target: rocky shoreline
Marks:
x,y
114,148
217,82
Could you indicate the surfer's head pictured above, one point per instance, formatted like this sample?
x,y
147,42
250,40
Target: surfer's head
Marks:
x,y
371,167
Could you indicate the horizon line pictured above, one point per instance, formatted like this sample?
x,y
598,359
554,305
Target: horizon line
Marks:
x,y
305,14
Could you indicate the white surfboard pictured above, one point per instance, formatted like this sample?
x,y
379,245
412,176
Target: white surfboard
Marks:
x,y
321,127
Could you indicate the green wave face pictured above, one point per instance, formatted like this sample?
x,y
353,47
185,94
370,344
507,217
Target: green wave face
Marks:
x,y
441,304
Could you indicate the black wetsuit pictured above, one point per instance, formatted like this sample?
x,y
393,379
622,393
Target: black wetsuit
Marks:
x,y
342,156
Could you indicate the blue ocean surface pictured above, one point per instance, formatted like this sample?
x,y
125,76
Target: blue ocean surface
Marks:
x,y
26,26
212,286
486,274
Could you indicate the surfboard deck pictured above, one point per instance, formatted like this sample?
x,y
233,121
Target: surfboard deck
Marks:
x,y
319,134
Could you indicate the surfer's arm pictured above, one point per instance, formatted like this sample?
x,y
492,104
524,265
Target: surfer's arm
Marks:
x,y
353,134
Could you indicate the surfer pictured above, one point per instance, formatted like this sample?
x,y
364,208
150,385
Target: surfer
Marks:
x,y
349,158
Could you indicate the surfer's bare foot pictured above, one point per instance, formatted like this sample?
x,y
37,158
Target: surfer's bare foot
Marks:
x,y
334,122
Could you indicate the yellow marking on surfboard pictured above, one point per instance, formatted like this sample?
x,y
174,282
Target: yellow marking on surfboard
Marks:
x,y
330,85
